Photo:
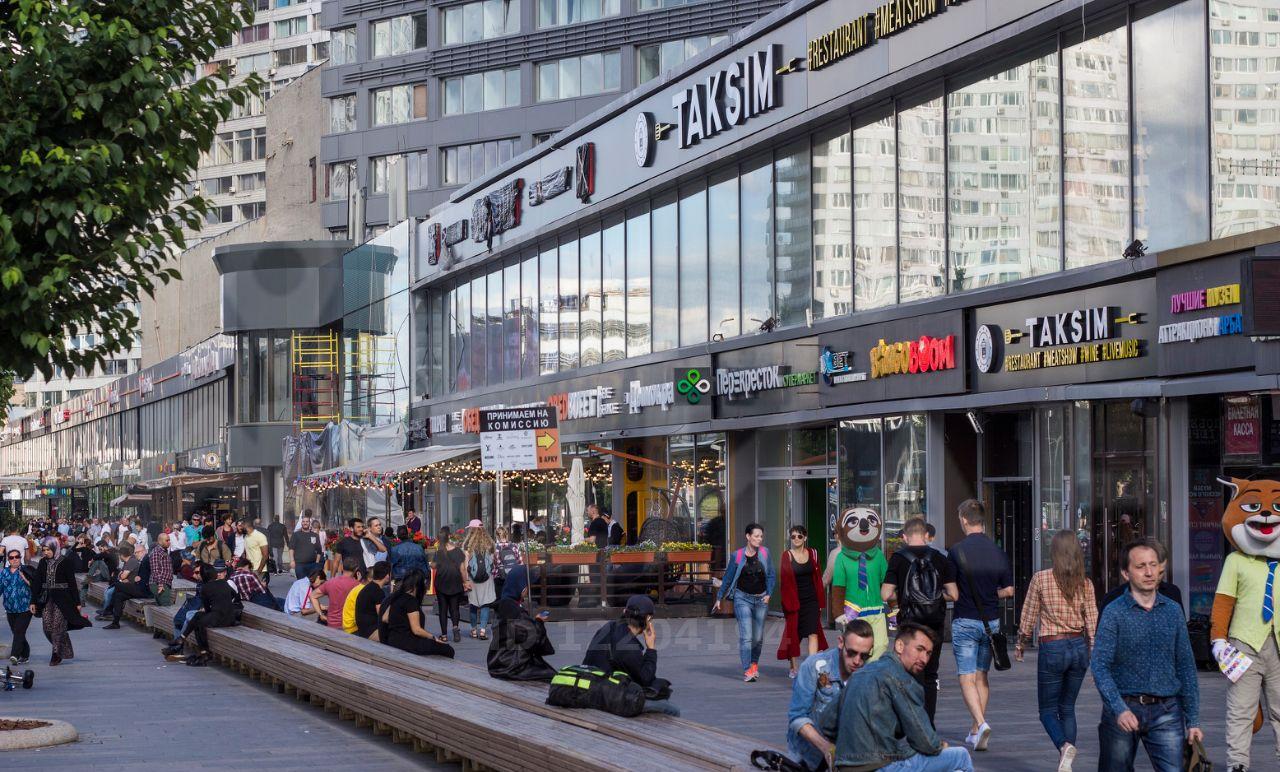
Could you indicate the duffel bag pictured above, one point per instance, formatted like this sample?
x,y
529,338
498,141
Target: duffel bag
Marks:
x,y
579,686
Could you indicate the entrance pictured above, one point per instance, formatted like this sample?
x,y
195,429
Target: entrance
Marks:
x,y
1123,496
1012,530
1008,465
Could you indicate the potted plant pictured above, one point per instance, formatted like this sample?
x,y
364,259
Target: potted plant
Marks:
x,y
687,552
644,552
583,554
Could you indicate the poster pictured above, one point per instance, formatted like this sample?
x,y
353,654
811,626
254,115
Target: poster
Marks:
x,y
1242,428
1204,538
522,438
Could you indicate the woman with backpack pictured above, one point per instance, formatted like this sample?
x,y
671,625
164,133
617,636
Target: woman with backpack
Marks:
x,y
1060,601
748,581
481,565
802,600
449,582
508,557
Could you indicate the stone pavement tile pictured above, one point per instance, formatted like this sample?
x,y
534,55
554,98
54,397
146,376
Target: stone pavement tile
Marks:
x,y
136,712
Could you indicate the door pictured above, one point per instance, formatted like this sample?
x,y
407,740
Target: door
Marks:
x,y
1012,523
1121,497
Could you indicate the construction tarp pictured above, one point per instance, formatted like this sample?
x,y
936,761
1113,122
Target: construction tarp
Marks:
x,y
403,461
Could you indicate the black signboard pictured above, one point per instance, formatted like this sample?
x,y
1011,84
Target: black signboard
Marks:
x,y
902,359
1262,300
1100,334
773,378
1199,320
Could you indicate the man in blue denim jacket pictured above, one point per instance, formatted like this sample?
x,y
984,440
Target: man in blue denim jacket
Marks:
x,y
879,721
820,680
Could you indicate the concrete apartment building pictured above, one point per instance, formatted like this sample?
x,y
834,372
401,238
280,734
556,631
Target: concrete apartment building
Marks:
x,y
453,90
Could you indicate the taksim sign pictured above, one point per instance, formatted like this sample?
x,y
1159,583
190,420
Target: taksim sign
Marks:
x,y
728,98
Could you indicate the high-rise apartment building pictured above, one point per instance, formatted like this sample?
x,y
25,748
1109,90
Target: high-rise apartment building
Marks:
x,y
453,90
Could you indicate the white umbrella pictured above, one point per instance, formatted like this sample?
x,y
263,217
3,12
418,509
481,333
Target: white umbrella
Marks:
x,y
576,497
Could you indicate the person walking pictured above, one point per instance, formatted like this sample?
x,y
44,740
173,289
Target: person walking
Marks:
x,y
481,565
275,542
58,600
922,580
983,577
16,588
307,550
1145,671
449,582
1060,601
748,581
402,620
801,590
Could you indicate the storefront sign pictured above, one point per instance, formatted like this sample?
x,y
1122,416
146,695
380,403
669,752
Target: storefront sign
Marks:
x,y
862,31
728,98
1202,300
744,383
438,424
691,384
905,358
913,356
837,367
1210,327
588,403
514,439
639,397
1242,429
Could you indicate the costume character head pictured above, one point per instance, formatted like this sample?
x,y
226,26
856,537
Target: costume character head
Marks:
x,y
1251,521
859,529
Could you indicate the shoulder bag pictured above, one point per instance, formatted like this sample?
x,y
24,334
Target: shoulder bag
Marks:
x,y
998,641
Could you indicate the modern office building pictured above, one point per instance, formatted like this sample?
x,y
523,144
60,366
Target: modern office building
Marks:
x,y
429,99
887,256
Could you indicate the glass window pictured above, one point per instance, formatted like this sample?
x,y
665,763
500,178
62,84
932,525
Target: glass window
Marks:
x,y
481,21
1246,121
793,233
832,222
1003,176
549,312
921,219
479,91
511,323
493,358
693,264
904,475
552,13
479,331
399,35
462,336
614,282
657,58
568,298
339,177
529,341
576,76
289,27
652,5
462,163
398,104
1095,130
431,347
756,194
875,246
591,305
638,281
665,253
722,245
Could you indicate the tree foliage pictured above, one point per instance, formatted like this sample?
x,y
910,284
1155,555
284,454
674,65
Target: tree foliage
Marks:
x,y
103,117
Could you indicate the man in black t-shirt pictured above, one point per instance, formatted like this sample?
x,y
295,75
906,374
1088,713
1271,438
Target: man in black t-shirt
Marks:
x,y
350,546
922,580
597,528
306,548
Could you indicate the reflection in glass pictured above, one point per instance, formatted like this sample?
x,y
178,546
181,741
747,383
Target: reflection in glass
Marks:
x,y
429,343
614,269
875,250
592,297
904,481
1246,121
666,286
1095,76
568,297
1055,452
638,278
462,325
922,221
722,243
756,194
860,464
511,323
530,335
548,312
479,331
832,222
693,264
1171,174
493,359
1002,150
793,233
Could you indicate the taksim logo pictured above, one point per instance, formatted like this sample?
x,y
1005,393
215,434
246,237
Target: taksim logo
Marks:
x,y
692,385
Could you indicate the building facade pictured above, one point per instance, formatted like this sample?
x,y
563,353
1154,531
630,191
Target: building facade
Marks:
x,y
429,99
889,256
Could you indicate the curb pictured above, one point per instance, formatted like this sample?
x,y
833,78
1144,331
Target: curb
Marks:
x,y
56,733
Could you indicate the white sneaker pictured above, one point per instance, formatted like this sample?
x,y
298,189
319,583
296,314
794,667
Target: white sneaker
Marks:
x,y
1067,757
983,736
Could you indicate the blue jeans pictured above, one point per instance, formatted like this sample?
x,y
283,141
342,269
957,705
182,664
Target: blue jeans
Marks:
x,y
303,570
950,760
107,595
969,642
480,617
1060,670
1160,729
750,611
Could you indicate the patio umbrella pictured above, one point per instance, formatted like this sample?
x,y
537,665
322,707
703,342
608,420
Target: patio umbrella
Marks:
x,y
576,497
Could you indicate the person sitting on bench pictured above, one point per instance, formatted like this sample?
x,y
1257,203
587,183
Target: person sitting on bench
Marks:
x,y
520,645
222,608
616,647
402,620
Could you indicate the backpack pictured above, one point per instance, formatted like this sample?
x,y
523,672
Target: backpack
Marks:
x,y
479,569
920,599
508,559
580,686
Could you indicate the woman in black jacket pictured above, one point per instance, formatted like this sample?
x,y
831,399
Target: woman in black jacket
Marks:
x,y
402,619
519,646
58,600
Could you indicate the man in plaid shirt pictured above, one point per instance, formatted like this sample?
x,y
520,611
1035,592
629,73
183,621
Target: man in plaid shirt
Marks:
x,y
247,583
161,581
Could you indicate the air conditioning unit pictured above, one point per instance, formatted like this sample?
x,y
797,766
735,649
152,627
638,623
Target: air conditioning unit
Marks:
x,y
231,189
272,72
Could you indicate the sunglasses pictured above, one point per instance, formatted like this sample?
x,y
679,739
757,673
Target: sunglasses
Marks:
x,y
858,655
15,556
797,536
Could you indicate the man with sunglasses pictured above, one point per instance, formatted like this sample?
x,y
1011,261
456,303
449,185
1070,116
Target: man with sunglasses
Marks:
x,y
16,588
820,680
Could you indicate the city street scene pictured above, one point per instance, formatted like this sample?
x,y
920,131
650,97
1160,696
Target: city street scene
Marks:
x,y
645,385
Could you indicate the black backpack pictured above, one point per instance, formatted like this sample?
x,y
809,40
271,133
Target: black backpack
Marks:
x,y
920,598
508,559
580,686
480,574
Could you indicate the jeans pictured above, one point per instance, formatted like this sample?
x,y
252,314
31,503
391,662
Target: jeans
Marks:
x,y
479,617
1060,670
277,555
303,570
106,598
661,706
749,611
1160,729
969,642
18,623
950,760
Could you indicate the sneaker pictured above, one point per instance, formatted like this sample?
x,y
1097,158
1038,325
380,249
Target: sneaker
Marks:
x,y
1068,756
20,661
752,673
175,657
457,635
982,737
791,674
1239,768
112,626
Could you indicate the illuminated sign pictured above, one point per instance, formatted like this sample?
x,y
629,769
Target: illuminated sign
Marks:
x,y
1197,300
438,424
862,31
1209,327
1081,336
692,385
744,383
639,397
836,367
588,403
925,355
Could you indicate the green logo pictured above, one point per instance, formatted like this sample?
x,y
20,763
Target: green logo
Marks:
x,y
692,385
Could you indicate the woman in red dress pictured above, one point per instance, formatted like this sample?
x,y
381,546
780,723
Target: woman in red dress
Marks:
x,y
801,600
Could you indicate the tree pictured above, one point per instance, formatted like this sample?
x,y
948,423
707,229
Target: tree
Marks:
x,y
103,117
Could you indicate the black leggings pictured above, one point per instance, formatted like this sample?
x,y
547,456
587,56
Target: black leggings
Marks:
x,y
18,623
448,606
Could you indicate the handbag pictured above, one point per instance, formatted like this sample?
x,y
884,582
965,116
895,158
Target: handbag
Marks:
x,y
998,642
1194,759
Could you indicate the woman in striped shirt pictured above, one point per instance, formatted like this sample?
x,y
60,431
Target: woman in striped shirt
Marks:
x,y
1060,601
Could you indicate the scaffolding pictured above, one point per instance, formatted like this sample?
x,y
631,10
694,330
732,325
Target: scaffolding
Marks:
x,y
370,377
315,380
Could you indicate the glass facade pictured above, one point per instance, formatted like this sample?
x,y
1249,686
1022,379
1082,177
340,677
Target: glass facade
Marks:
x,y
376,341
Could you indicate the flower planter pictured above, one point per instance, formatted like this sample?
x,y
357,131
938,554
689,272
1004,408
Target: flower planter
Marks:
x,y
631,557
574,558
689,556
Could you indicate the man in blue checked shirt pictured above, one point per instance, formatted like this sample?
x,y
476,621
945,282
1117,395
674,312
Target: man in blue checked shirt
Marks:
x,y
1145,671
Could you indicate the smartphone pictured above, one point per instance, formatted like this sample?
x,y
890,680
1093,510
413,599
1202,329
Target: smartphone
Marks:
x,y
544,615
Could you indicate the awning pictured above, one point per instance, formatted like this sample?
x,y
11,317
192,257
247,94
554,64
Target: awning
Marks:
x,y
396,463
212,480
130,500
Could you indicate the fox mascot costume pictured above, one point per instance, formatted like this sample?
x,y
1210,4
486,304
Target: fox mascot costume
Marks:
x,y
1246,611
